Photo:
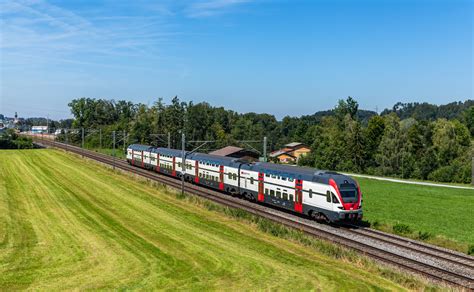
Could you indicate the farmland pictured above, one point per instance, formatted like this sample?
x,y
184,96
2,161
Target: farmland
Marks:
x,y
440,211
65,224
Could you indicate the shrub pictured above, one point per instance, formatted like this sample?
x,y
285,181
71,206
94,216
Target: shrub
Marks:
x,y
424,235
470,250
400,228
375,224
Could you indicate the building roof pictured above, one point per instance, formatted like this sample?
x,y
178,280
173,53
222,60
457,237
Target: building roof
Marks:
x,y
226,151
294,144
281,152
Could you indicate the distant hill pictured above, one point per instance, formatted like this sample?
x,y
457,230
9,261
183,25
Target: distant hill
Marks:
x,y
429,112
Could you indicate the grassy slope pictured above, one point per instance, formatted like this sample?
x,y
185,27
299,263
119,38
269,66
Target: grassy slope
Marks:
x,y
444,211
64,225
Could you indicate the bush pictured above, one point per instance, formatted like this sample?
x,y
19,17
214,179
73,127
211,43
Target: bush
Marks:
x,y
470,250
458,172
424,235
400,228
375,224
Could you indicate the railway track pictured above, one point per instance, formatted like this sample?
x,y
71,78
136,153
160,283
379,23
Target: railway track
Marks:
x,y
427,249
438,264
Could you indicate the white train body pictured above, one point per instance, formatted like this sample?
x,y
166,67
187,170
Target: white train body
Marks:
x,y
319,194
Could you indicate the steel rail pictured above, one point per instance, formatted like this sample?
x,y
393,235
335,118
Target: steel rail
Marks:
x,y
406,243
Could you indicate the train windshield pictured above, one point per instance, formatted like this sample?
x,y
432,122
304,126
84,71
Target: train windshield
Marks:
x,y
349,195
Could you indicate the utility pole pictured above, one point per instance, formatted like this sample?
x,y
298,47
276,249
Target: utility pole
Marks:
x,y
265,149
183,161
124,135
113,151
82,130
169,140
65,137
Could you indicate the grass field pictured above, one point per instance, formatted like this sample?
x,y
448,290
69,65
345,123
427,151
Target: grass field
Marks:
x,y
439,211
119,153
68,225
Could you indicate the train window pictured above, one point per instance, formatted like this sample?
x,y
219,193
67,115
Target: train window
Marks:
x,y
234,176
291,197
283,178
267,175
273,176
266,192
290,179
272,193
285,196
278,194
328,196
230,175
310,193
334,199
251,180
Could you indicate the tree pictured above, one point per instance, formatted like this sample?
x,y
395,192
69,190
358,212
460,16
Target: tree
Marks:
x,y
373,135
347,107
354,145
388,153
469,118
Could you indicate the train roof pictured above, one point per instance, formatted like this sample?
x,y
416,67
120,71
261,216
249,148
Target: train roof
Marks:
x,y
140,147
288,171
299,172
206,158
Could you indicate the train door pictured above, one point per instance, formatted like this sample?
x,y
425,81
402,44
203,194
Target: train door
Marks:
x,y
298,195
261,195
221,177
173,173
196,173
157,162
133,157
243,181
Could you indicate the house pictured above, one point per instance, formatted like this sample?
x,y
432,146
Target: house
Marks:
x,y
290,153
236,152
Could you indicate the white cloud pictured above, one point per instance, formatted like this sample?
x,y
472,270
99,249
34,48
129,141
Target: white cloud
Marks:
x,y
49,33
212,7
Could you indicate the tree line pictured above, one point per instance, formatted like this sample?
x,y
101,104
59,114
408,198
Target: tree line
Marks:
x,y
9,139
406,141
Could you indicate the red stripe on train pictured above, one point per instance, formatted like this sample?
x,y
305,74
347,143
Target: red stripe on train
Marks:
x,y
261,195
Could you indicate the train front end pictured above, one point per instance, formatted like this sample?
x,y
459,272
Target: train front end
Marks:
x,y
349,196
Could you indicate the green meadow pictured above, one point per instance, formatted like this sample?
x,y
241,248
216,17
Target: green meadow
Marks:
x,y
65,224
439,215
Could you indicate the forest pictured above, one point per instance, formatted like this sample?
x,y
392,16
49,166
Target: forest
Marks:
x,y
411,140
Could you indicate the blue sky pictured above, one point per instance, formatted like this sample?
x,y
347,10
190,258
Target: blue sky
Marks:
x,y
281,57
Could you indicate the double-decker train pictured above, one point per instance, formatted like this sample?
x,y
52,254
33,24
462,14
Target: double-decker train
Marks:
x,y
322,195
